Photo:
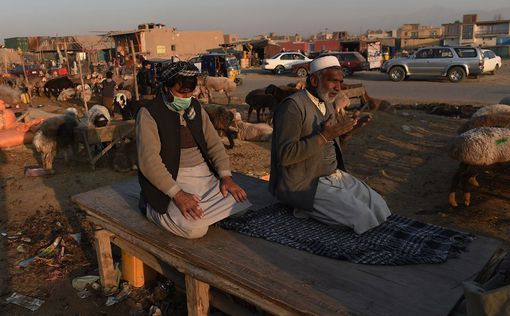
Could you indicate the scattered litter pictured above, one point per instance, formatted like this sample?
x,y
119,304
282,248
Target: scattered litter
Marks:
x,y
26,262
22,248
76,237
51,249
80,283
30,303
122,295
3,234
383,173
26,239
404,114
406,128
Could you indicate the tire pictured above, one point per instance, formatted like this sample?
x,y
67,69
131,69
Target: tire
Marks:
x,y
456,74
495,70
279,70
302,72
397,73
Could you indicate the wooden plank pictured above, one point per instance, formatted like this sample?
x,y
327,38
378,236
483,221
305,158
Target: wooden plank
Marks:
x,y
197,297
217,299
105,259
235,288
283,280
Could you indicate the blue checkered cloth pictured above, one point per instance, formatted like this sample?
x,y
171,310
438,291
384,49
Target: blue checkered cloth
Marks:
x,y
398,241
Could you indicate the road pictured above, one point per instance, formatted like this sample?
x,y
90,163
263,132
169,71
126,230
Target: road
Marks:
x,y
483,90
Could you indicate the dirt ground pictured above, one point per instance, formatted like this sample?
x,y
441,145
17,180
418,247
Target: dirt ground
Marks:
x,y
402,153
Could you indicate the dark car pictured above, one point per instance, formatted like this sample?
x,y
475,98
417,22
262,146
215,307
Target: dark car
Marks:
x,y
351,62
32,70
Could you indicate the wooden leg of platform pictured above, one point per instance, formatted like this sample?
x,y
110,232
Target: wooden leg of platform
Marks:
x,y
105,259
197,295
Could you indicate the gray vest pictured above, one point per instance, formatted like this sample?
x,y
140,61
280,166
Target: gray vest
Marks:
x,y
296,156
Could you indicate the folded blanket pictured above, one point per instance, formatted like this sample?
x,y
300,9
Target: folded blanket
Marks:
x,y
397,241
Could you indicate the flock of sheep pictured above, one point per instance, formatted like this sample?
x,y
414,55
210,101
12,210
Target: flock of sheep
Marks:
x,y
482,143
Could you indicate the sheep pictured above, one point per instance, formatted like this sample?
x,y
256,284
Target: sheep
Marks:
x,y
223,121
98,116
259,132
220,84
55,134
492,109
84,93
9,95
66,94
280,92
258,100
477,150
491,120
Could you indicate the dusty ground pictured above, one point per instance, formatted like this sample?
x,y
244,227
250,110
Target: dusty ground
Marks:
x,y
402,153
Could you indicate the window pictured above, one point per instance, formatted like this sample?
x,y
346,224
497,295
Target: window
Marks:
x,y
414,34
489,54
433,34
425,53
443,53
172,48
286,57
298,57
466,52
350,57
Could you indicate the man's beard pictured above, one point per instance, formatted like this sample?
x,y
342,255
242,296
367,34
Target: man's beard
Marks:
x,y
323,94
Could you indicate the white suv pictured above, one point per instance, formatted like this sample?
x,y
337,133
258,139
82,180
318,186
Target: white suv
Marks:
x,y
281,62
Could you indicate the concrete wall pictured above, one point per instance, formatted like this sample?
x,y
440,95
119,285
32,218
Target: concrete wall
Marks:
x,y
166,42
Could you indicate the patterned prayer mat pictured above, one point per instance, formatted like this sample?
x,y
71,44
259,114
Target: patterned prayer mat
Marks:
x,y
397,241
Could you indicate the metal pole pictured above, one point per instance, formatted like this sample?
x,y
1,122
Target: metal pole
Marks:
x,y
134,70
78,59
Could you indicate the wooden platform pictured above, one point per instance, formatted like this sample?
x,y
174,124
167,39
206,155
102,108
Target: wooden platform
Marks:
x,y
278,279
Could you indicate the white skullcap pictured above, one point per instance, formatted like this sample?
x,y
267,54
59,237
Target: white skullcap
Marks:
x,y
323,63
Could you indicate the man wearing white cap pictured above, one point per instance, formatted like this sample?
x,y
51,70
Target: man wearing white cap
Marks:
x,y
307,168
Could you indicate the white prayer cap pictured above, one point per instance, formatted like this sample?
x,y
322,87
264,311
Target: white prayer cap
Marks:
x,y
323,62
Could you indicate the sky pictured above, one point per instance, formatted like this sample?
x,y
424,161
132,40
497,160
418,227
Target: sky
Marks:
x,y
247,18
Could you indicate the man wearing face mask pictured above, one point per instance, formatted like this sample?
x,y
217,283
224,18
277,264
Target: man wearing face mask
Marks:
x,y
307,168
184,171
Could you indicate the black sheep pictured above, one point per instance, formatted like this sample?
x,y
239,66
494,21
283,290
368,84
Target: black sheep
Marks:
x,y
259,100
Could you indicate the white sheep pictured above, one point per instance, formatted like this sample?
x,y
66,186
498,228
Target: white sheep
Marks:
x,y
66,94
98,116
492,109
55,134
476,150
84,93
259,132
220,84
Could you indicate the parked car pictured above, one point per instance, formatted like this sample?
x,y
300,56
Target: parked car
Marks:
x,y
281,62
455,63
492,62
351,62
32,70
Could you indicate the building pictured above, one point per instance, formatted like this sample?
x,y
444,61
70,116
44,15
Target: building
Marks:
x,y
380,34
416,35
230,38
478,33
158,41
17,43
